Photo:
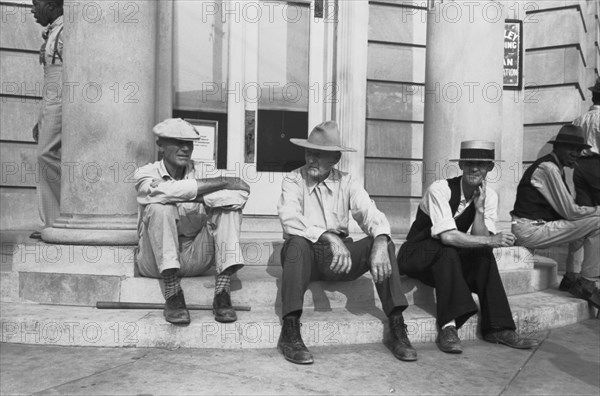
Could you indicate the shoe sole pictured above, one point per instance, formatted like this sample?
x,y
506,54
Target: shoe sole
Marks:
x,y
222,319
510,345
292,360
451,351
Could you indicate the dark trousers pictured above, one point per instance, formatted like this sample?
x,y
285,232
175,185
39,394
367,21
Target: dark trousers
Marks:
x,y
304,261
586,178
455,273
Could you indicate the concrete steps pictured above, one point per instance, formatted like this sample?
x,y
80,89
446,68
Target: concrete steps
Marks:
x,y
86,326
49,295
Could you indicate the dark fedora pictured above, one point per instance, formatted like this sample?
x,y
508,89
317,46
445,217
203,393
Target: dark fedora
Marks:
x,y
477,150
325,136
595,87
571,134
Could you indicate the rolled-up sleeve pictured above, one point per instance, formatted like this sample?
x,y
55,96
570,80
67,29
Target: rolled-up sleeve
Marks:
x,y
291,212
370,219
167,191
435,204
490,214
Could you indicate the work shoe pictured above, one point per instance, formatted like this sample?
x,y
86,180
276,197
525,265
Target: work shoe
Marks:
x,y
510,338
290,342
448,340
36,235
222,308
587,290
568,281
175,310
398,341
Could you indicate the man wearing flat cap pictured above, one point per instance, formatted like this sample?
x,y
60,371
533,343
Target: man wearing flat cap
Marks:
x,y
440,252
546,215
187,224
314,209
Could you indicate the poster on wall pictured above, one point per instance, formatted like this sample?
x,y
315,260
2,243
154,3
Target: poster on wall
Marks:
x,y
513,54
205,148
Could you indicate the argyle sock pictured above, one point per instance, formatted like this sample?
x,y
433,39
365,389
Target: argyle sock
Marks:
x,y
172,282
223,282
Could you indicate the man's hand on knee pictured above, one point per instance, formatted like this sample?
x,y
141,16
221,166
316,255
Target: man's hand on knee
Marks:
x,y
381,268
342,260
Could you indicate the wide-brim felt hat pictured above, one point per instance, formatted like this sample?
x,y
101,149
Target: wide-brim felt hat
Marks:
x,y
325,136
176,128
477,150
595,87
571,134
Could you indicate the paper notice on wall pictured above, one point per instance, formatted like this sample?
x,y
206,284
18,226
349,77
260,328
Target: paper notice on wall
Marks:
x,y
205,147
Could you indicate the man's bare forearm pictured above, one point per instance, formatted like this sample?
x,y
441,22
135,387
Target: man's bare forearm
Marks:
x,y
206,186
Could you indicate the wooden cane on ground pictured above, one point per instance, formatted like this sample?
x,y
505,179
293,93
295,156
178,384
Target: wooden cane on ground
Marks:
x,y
136,305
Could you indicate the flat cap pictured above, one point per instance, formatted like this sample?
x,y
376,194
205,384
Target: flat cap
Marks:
x,y
175,128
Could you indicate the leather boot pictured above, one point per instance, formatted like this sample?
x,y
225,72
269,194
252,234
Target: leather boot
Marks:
x,y
290,342
398,341
175,310
222,308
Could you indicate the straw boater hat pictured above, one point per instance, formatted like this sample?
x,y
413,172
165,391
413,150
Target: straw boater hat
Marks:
x,y
477,150
325,136
571,134
176,128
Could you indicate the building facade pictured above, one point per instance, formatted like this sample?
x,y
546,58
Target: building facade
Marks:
x,y
406,81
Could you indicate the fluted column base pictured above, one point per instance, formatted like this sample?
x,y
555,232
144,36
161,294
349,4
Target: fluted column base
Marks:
x,y
92,230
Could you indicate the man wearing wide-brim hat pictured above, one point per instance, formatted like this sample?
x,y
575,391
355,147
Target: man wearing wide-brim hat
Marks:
x,y
186,223
314,209
546,215
440,251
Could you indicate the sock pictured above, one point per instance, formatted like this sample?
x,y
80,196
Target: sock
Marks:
x,y
172,282
451,323
223,282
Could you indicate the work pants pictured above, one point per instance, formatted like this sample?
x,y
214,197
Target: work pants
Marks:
x,y
455,273
161,248
304,261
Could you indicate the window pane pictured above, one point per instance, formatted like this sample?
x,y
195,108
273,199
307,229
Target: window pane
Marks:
x,y
283,57
200,56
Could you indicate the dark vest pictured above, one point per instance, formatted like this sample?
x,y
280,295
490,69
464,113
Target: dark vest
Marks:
x,y
421,227
530,203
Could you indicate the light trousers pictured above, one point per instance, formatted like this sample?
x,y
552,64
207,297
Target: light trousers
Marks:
x,y
583,232
161,247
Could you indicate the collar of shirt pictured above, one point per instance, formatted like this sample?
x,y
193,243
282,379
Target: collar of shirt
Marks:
x,y
560,167
463,200
162,170
57,22
334,177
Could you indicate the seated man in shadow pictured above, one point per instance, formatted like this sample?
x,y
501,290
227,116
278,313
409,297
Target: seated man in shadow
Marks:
x,y
314,208
546,215
441,253
187,224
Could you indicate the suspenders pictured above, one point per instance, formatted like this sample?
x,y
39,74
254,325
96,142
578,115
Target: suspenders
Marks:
x,y
55,52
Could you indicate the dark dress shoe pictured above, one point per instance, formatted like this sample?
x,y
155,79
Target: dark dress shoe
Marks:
x,y
175,310
36,235
398,341
510,338
222,309
568,281
448,340
586,290
290,342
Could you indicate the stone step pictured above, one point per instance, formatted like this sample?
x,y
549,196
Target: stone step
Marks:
x,y
119,260
86,284
85,326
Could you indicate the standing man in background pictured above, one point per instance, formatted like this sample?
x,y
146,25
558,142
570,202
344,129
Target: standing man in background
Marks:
x,y
47,130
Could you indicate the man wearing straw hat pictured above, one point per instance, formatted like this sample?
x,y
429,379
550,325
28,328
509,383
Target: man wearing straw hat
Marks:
x,y
546,215
441,253
314,208
187,224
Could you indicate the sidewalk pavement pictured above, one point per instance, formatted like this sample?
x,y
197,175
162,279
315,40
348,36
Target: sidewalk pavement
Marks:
x,y
566,363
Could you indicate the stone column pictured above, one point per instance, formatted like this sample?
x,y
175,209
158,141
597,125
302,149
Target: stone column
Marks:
x,y
463,82
108,114
351,81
